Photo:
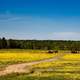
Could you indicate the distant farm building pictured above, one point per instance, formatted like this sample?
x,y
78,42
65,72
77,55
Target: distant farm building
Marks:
x,y
52,51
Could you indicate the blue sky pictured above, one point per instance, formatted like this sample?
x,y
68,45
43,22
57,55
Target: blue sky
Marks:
x,y
40,19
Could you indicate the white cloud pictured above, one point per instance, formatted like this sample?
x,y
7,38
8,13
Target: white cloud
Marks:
x,y
11,18
65,35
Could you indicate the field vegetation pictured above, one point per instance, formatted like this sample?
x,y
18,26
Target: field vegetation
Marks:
x,y
65,68
12,56
68,67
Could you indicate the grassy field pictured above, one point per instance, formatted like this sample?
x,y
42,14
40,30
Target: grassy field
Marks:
x,y
65,68
68,67
12,56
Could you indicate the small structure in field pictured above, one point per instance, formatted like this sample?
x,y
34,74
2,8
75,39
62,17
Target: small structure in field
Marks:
x,y
52,51
56,51
73,51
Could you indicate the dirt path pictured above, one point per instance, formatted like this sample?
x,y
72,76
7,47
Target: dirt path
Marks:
x,y
24,67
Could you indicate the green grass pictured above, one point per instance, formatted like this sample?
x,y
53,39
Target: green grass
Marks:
x,y
28,77
41,76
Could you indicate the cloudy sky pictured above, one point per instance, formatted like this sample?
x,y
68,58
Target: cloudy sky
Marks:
x,y
40,19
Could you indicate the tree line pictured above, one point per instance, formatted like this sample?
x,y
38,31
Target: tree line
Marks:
x,y
39,44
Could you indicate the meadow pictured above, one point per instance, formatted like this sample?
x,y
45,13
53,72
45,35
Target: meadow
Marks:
x,y
12,56
65,68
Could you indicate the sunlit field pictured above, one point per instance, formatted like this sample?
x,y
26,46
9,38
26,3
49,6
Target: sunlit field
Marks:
x,y
19,56
65,68
72,56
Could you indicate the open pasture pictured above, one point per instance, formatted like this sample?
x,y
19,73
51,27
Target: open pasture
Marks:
x,y
67,67
12,56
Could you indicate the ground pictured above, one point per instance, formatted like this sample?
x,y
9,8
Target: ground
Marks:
x,y
60,66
